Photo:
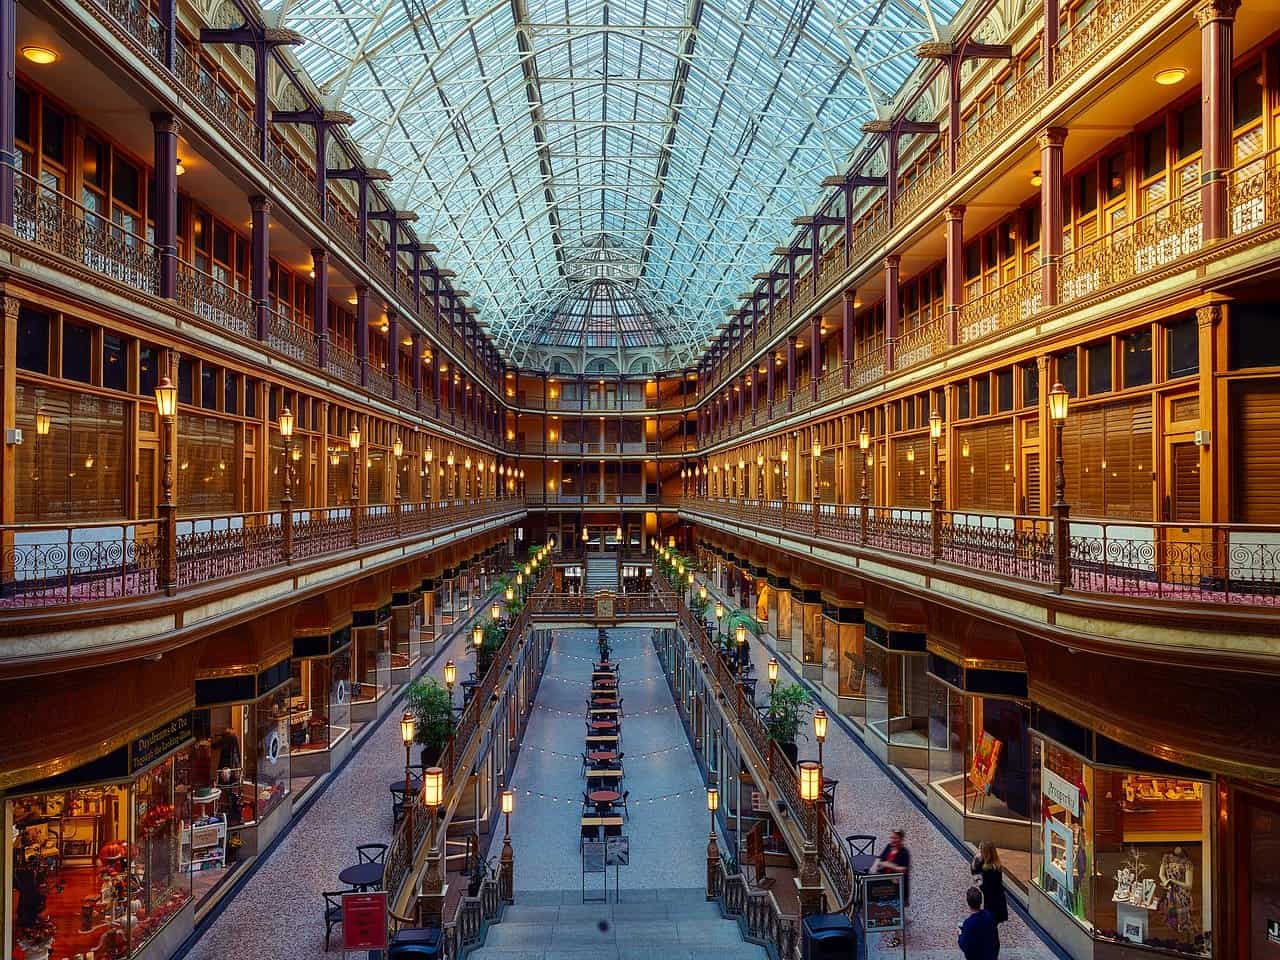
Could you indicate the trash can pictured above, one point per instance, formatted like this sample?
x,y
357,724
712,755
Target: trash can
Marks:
x,y
828,936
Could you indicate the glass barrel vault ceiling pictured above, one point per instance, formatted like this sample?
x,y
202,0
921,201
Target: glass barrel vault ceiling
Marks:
x,y
682,136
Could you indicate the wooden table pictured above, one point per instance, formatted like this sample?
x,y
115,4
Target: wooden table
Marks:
x,y
604,796
604,666
602,756
602,725
603,711
614,775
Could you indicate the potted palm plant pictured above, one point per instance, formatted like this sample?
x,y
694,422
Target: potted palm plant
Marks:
x,y
789,711
431,704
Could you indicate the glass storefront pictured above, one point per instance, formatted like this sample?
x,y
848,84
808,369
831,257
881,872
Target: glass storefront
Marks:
x,y
320,701
980,767
371,658
97,869
1124,852
897,699
852,680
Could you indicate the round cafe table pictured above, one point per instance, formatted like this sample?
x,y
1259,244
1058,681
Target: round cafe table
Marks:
x,y
606,682
602,756
603,797
362,876
603,724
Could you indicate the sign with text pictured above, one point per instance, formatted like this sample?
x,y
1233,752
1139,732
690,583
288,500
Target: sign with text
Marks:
x,y
364,921
593,854
1060,791
617,852
160,742
882,902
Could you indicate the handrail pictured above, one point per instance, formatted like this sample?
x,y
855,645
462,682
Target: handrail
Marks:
x,y
46,565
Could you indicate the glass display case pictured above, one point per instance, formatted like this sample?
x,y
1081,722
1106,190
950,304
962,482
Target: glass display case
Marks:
x,y
1126,853
96,869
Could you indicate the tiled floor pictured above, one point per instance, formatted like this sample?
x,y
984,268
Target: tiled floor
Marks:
x,y
668,821
279,912
868,801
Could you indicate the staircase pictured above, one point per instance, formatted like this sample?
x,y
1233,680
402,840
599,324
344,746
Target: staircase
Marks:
x,y
646,925
601,573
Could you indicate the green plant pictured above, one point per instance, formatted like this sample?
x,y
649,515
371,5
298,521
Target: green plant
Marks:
x,y
431,704
788,713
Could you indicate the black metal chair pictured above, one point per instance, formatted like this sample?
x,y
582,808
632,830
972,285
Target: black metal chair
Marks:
x,y
332,912
371,853
861,844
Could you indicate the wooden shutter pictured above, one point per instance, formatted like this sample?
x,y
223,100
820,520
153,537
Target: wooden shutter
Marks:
x,y
986,475
1255,460
1031,483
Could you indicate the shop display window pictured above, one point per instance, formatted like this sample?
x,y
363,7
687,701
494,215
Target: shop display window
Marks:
x,y
319,701
980,763
96,870
1126,853
898,706
371,662
240,761
853,672
784,617
830,651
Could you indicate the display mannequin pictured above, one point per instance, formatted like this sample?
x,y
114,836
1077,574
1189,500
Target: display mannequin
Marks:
x,y
1177,875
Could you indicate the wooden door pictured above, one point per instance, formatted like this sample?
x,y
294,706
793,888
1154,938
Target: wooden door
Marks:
x,y
1183,558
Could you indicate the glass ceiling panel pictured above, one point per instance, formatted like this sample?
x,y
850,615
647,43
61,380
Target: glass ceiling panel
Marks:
x,y
677,138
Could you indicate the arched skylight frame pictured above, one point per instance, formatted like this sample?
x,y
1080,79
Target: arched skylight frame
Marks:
x,y
690,132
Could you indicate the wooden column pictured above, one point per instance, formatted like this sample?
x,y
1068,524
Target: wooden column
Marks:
x,y
165,159
891,308
362,332
846,335
791,374
260,265
1051,212
955,271
1217,22
320,304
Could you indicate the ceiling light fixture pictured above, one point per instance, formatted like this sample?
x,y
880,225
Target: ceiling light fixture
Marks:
x,y
1171,76
40,55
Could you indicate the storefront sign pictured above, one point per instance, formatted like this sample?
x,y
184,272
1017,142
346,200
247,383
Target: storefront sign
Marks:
x,y
205,836
364,921
1060,791
160,742
882,902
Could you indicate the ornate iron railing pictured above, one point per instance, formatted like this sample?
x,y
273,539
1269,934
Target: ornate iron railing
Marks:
x,y
1014,302
57,223
215,302
212,547
301,186
926,183
1013,105
46,565
211,98
1106,21
1015,546
921,343
292,338
1253,193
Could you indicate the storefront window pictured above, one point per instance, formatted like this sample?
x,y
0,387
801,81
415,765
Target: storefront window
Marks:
x,y
980,763
784,620
853,672
898,707
1063,856
830,651
96,870
319,702
371,653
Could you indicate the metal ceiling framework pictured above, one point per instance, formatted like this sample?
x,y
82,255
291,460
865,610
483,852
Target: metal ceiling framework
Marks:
x,y
572,156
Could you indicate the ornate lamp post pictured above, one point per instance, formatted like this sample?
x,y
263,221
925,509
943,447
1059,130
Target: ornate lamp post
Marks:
x,y
408,731
864,445
760,477
719,616
740,635
507,863
810,881
816,451
450,677
397,451
713,848
773,677
167,408
786,473
1059,401
820,729
432,798
286,424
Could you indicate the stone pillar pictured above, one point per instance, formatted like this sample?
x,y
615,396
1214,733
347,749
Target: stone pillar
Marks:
x,y
1051,142
260,263
955,271
320,304
165,159
1217,22
892,310
809,882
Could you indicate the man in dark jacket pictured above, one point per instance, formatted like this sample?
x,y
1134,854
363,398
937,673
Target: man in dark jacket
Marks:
x,y
979,937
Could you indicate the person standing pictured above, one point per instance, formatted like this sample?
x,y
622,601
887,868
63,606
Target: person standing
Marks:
x,y
987,868
979,939
896,858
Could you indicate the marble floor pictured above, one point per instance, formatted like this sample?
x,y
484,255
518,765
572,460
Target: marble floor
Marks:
x,y
279,911
869,801
667,823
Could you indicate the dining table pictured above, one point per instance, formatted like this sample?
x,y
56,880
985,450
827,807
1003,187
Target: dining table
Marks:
x,y
602,756
362,876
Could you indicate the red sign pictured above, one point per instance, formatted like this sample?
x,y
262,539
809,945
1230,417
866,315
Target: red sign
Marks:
x,y
364,921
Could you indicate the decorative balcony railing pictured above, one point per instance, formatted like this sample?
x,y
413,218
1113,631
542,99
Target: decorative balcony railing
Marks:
x,y
44,565
215,302
926,183
57,223
1013,302
1107,21
1253,193
921,343
867,367
1205,563
765,922
302,187
211,98
1158,239
1014,104
292,338
139,22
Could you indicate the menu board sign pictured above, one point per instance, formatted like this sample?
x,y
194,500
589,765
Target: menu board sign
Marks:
x,y
593,856
882,902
